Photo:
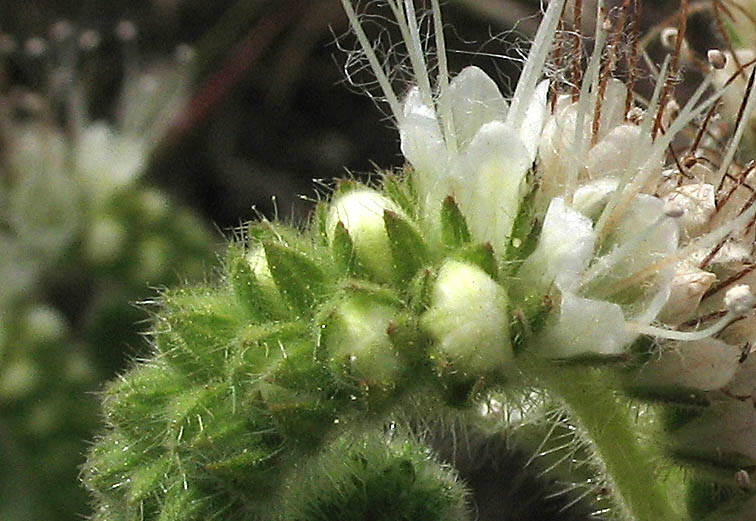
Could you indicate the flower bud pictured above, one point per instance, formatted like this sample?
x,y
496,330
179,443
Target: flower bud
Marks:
x,y
357,336
468,319
361,212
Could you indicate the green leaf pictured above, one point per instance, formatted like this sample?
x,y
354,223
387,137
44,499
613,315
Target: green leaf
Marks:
x,y
407,247
454,231
299,279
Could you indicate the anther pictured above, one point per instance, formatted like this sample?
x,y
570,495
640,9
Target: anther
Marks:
x,y
743,479
635,115
717,59
668,37
739,300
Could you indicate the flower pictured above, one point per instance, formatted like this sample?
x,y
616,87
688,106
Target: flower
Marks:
x,y
620,236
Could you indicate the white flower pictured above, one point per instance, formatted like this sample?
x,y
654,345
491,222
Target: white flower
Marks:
x,y
465,140
626,248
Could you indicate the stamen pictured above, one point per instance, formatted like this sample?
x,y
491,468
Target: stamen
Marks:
x,y
375,64
443,79
89,40
605,263
705,241
534,64
634,180
577,63
671,334
673,67
607,216
717,59
588,94
632,60
411,34
746,109
606,73
739,300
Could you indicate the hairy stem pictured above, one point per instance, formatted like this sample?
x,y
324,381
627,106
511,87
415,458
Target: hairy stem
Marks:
x,y
631,467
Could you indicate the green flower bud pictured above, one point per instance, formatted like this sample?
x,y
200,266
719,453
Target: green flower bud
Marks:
x,y
361,212
357,339
468,319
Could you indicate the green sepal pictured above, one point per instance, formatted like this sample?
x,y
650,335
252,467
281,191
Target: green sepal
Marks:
x,y
410,342
253,466
247,289
526,229
344,186
454,231
342,247
481,255
421,290
197,342
320,222
147,478
299,279
301,417
377,477
135,402
184,413
399,192
372,292
407,246
300,370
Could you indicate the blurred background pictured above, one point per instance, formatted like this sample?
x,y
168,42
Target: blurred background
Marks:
x,y
135,136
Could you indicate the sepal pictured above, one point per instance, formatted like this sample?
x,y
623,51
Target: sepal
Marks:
x,y
408,248
454,231
299,278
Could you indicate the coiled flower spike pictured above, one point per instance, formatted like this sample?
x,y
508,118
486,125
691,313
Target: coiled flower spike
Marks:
x,y
549,245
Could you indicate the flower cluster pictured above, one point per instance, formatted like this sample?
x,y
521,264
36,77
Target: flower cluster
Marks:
x,y
554,244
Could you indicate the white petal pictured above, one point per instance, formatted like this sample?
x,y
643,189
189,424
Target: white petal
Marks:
x,y
613,106
698,204
423,145
728,428
689,283
488,182
590,198
535,115
653,237
585,327
640,238
612,155
474,99
706,364
564,249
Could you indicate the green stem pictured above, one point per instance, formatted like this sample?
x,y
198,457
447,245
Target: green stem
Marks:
x,y
632,469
